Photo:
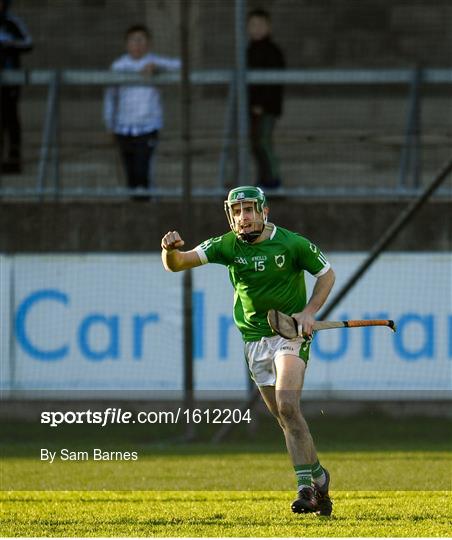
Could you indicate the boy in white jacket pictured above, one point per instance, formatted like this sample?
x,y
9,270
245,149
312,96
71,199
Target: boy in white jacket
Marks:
x,y
134,113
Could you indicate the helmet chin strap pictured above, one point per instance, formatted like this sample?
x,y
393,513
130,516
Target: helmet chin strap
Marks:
x,y
251,236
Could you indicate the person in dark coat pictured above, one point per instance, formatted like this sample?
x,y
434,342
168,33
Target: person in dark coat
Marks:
x,y
14,40
265,100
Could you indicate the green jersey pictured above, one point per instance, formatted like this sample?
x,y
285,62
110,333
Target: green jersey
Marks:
x,y
269,274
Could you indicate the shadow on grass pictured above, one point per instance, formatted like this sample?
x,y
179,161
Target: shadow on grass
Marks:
x,y
366,432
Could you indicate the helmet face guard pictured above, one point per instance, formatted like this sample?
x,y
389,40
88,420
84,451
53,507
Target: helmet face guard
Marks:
x,y
241,195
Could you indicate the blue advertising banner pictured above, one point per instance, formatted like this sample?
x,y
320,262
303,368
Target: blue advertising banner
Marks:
x,y
115,322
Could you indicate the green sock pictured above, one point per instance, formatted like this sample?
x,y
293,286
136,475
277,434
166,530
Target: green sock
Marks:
x,y
304,475
318,474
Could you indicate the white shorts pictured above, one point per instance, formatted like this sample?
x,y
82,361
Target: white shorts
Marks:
x,y
260,356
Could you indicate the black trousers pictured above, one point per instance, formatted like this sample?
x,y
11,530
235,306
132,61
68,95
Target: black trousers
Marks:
x,y
137,153
261,139
10,128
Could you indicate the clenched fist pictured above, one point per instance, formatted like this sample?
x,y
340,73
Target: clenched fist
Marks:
x,y
172,240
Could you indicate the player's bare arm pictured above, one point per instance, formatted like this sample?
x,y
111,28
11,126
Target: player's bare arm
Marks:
x,y
322,288
175,260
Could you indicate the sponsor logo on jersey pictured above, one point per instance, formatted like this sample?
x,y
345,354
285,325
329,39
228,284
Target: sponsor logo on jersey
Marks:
x,y
259,258
280,260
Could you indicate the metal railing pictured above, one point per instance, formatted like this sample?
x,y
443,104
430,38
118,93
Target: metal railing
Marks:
x,y
408,183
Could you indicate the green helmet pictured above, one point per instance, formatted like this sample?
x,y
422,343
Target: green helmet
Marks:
x,y
243,194
246,194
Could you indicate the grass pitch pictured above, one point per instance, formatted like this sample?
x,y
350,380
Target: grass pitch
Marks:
x,y
212,513
389,478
